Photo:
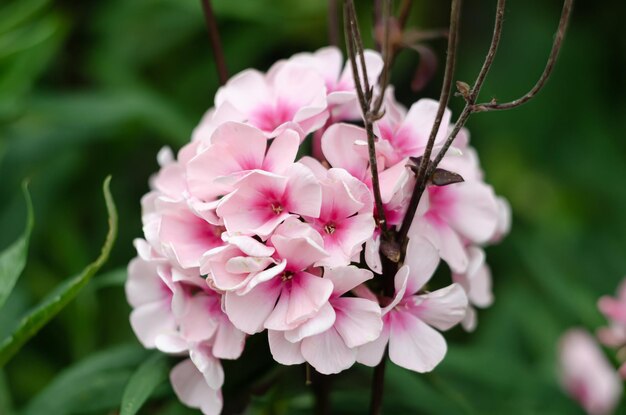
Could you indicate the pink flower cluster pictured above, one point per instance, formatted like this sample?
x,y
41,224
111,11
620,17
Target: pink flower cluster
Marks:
x,y
586,373
242,236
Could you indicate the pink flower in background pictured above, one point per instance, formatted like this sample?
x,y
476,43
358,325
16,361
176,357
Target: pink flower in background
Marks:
x,y
614,308
587,375
614,335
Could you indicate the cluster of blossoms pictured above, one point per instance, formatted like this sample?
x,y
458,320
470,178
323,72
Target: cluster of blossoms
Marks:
x,y
586,374
242,236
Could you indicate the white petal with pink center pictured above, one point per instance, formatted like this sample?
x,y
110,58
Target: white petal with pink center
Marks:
x,y
263,200
345,220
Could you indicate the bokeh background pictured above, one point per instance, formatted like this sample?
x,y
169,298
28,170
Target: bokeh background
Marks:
x,y
91,88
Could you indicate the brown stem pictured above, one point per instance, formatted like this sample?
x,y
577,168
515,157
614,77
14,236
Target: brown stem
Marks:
x,y
333,23
472,107
322,385
446,88
358,42
355,51
475,90
216,43
387,49
491,53
405,11
378,387
554,54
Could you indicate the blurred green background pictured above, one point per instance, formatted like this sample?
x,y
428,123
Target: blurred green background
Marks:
x,y
91,88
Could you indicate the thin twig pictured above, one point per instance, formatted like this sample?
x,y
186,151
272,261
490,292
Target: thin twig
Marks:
x,y
333,23
378,387
358,42
554,54
446,88
491,54
387,49
364,93
475,90
322,385
352,56
377,16
216,43
405,11
471,107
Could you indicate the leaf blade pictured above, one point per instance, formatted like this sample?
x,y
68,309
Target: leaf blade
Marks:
x,y
143,382
73,387
13,259
64,293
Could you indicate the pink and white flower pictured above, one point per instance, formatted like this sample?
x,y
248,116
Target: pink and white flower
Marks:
x,y
263,200
197,381
405,134
329,340
410,318
340,88
452,216
289,293
241,237
345,220
586,374
235,150
289,92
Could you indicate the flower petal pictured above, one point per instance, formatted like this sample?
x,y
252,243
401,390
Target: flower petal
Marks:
x,y
328,353
283,351
192,389
442,308
358,320
413,344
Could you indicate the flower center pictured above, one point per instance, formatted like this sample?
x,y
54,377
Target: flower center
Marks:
x,y
287,275
330,228
277,208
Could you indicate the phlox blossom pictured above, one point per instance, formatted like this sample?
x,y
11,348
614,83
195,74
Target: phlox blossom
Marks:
x,y
247,231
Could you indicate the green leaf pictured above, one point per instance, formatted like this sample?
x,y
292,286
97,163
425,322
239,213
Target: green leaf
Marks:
x,y
13,259
150,374
98,380
19,12
112,279
6,407
64,293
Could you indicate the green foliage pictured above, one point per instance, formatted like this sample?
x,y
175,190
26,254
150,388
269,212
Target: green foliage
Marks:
x,y
144,381
94,384
63,294
13,259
